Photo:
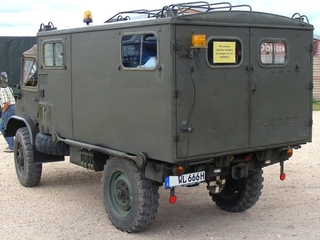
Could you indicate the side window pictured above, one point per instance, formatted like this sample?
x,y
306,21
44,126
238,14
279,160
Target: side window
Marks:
x,y
53,54
139,51
29,74
224,52
273,52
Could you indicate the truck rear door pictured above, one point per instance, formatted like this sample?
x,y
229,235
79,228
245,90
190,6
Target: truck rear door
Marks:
x,y
213,91
280,86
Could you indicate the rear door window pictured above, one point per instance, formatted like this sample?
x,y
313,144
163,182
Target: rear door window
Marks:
x,y
273,52
224,52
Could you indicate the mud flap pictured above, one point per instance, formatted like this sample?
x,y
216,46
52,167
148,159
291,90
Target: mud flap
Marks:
x,y
39,157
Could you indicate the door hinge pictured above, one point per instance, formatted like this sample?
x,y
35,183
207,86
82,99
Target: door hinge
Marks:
x,y
309,122
178,138
177,93
177,46
309,85
309,48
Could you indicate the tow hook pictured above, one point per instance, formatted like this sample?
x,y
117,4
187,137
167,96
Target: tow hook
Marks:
x,y
282,174
172,198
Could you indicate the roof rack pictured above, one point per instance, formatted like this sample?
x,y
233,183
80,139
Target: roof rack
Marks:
x,y
47,27
176,10
297,16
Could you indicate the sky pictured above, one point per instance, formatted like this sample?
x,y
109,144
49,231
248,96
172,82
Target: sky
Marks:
x,y
23,17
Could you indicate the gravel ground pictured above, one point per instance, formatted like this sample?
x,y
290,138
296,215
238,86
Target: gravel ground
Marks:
x,y
68,205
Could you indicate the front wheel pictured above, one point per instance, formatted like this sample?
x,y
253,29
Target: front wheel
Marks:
x,y
28,173
241,194
130,199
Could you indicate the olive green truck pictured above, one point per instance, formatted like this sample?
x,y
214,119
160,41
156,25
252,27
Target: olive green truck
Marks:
x,y
191,93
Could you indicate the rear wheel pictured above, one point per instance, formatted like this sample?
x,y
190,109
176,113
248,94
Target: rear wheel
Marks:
x,y
130,199
241,194
28,173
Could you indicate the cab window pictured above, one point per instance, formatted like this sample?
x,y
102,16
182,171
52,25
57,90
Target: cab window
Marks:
x,y
273,53
139,51
29,74
224,52
53,54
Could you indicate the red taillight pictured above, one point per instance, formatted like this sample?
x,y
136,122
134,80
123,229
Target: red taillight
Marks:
x,y
282,176
172,199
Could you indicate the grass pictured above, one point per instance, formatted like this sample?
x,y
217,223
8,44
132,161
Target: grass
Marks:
x,y
315,105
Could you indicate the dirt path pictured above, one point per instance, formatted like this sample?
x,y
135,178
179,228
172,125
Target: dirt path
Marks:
x,y
68,205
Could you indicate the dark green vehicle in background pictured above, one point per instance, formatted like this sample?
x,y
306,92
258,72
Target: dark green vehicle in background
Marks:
x,y
190,93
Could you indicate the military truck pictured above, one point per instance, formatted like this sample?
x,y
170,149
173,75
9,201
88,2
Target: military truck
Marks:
x,y
190,93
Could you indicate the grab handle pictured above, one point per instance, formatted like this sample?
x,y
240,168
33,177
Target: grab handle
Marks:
x,y
253,84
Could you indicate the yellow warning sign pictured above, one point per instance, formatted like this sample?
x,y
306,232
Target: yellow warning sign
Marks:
x,y
224,52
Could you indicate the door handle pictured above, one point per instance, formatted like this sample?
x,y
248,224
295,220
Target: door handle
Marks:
x,y
253,84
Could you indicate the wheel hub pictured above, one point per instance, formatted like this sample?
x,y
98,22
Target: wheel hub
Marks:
x,y
20,158
122,192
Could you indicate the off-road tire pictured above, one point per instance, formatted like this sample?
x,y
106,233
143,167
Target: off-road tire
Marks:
x,y
130,199
28,173
240,194
45,144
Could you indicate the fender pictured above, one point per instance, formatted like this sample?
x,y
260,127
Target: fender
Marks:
x,y
15,122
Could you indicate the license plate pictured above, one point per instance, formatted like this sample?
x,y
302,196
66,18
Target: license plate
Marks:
x,y
185,179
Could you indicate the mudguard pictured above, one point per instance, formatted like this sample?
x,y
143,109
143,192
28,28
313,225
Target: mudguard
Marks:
x,y
16,122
